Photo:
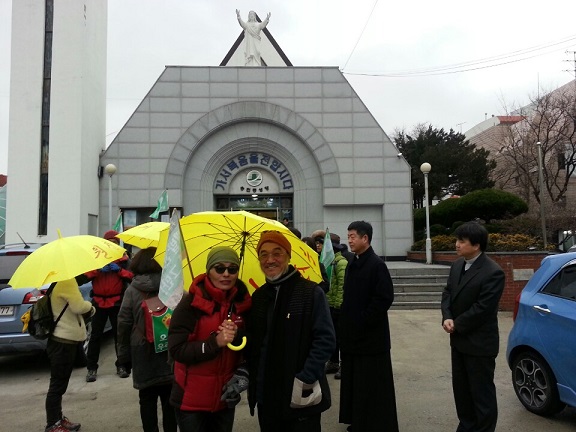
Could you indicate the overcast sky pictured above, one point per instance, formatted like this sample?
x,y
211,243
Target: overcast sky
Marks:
x,y
502,51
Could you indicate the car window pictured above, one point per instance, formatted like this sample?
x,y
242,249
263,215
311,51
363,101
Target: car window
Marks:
x,y
563,284
8,265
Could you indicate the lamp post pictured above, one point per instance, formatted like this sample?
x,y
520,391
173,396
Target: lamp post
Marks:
x,y
541,195
425,168
110,169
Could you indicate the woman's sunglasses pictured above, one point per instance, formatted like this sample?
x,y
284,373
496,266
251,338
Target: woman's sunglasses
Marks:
x,y
221,269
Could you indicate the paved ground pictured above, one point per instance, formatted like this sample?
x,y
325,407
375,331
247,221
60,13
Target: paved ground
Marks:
x,y
420,356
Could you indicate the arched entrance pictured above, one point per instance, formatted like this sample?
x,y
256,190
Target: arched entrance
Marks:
x,y
256,182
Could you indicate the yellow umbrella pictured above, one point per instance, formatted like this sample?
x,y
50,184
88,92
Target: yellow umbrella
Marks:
x,y
63,259
145,235
241,231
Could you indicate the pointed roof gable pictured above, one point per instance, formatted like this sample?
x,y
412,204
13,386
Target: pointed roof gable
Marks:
x,y
270,52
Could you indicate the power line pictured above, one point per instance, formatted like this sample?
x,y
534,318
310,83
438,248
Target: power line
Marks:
x,y
360,37
480,63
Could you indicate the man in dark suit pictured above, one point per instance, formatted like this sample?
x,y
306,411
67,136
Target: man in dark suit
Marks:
x,y
470,316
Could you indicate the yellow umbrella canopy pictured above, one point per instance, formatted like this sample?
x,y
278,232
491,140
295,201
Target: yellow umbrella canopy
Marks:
x,y
241,231
63,259
145,235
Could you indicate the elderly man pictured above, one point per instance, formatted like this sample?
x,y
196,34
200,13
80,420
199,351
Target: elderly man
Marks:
x,y
291,337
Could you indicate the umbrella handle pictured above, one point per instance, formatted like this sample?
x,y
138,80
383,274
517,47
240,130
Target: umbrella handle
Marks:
x,y
238,347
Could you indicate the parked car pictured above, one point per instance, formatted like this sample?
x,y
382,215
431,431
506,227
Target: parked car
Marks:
x,y
541,348
14,302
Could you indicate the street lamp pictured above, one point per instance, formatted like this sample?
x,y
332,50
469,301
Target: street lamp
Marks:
x,y
541,195
110,169
425,168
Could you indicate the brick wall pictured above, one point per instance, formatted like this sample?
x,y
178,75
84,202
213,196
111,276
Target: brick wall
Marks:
x,y
518,266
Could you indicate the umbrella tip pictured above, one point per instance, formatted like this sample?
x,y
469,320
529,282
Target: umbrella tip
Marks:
x,y
59,233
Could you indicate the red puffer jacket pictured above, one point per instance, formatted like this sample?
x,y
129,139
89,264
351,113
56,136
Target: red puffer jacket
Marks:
x,y
108,286
201,368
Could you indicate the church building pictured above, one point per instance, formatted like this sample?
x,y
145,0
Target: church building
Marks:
x,y
257,133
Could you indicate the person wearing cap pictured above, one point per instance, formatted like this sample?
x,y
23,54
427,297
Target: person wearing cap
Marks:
x,y
291,338
208,375
108,286
367,395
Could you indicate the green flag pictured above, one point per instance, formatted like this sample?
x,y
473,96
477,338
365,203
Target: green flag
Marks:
x,y
162,205
327,255
172,281
119,225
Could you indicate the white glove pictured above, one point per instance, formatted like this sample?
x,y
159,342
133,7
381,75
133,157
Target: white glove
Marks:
x,y
305,395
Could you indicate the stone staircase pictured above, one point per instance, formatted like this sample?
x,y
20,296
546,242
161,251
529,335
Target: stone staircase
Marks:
x,y
418,286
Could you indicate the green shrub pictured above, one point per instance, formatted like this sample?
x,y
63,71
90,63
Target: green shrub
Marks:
x,y
445,212
489,204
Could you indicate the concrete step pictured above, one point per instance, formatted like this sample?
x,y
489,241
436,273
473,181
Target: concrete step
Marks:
x,y
416,279
416,305
418,286
422,270
418,297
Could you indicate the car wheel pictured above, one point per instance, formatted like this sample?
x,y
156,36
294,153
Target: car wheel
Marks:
x,y
535,384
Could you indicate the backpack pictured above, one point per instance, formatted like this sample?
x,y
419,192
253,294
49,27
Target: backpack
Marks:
x,y
40,319
156,322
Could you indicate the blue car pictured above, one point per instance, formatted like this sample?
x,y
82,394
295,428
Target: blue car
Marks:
x,y
542,343
15,302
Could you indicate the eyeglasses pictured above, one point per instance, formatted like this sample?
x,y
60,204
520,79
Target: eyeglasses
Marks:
x,y
231,269
276,256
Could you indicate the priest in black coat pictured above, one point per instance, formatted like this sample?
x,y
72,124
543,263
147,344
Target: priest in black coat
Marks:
x,y
367,396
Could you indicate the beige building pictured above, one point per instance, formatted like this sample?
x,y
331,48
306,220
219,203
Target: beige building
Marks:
x,y
545,127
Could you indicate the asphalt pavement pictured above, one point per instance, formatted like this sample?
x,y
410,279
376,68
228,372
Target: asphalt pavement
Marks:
x,y
421,362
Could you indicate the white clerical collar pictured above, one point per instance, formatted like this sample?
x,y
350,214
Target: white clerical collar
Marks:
x,y
470,261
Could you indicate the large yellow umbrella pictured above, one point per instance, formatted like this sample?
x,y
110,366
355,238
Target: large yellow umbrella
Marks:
x,y
63,259
144,235
241,231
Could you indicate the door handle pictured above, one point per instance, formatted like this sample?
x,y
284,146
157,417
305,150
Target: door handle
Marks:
x,y
541,309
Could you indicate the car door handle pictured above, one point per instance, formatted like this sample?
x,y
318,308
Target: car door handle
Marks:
x,y
541,309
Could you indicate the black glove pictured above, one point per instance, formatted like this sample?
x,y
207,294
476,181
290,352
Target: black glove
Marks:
x,y
236,385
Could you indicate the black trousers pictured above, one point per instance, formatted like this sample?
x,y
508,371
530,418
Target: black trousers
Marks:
x,y
204,421
474,392
98,323
270,423
61,357
335,314
149,408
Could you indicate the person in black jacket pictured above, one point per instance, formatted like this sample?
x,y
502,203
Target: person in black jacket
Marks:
x,y
290,338
470,316
367,396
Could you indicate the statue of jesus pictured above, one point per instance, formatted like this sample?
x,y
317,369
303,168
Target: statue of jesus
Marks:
x,y
252,37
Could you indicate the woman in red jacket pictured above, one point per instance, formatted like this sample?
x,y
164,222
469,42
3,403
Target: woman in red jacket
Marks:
x,y
207,376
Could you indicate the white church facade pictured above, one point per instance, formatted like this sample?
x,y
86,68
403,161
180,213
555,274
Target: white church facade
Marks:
x,y
277,140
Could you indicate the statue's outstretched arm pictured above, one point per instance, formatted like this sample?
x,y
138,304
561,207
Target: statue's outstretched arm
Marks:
x,y
242,24
265,22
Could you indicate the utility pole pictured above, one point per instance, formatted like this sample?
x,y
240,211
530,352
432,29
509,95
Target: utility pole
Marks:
x,y
574,61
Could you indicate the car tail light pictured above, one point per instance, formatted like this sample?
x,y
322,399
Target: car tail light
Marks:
x,y
516,306
33,296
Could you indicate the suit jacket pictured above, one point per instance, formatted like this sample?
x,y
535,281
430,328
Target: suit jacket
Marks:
x,y
471,300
